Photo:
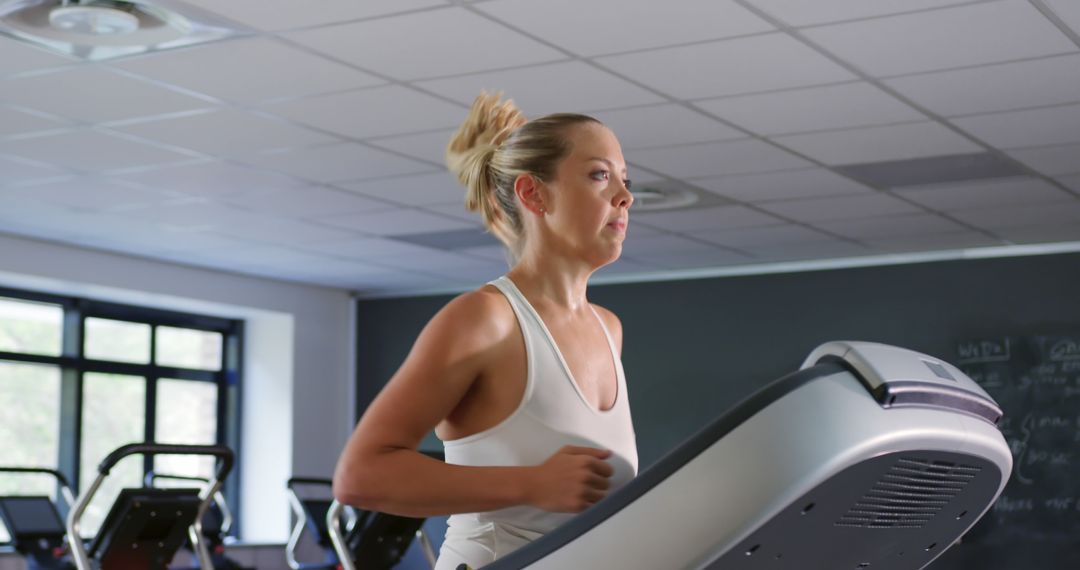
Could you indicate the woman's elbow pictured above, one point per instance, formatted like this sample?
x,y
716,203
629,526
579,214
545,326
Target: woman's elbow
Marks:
x,y
352,487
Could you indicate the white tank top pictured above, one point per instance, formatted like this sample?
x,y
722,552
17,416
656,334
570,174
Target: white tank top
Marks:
x,y
553,413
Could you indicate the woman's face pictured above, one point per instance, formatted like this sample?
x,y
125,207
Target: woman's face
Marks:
x,y
588,201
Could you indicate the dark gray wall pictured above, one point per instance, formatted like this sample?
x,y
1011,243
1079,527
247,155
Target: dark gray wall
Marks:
x,y
694,348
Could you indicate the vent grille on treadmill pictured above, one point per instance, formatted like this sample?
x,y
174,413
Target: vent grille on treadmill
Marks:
x,y
910,494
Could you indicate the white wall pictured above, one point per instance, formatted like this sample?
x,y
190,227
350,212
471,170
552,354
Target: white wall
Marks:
x,y
298,362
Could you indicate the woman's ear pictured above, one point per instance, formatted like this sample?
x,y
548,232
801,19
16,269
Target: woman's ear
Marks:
x,y
528,190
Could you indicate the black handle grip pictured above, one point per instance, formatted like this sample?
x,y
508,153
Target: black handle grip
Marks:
x,y
40,470
223,453
151,477
307,481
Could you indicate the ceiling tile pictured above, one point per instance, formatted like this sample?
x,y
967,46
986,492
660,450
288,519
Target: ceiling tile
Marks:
x,y
456,209
1033,127
308,202
395,222
803,183
18,57
191,215
1068,11
662,125
97,194
802,13
90,151
366,248
282,231
677,260
985,32
718,159
1051,160
1018,216
813,109
542,89
660,244
337,163
18,170
763,236
213,179
1071,182
622,268
425,146
881,227
991,88
248,70
17,122
641,24
839,208
932,242
226,132
720,68
723,217
808,251
453,41
985,194
874,144
399,110
1042,233
422,190
276,15
96,95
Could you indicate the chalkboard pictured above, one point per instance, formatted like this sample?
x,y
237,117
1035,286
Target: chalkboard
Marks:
x,y
1036,380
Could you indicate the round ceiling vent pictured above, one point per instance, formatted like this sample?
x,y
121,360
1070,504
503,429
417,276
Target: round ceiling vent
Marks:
x,y
662,197
104,29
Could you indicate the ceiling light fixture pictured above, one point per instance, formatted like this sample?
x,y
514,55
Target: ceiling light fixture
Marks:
x,y
93,19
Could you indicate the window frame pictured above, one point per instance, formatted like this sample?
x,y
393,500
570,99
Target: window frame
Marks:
x,y
73,365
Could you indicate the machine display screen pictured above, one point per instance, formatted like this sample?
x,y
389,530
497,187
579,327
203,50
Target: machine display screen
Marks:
x,y
30,516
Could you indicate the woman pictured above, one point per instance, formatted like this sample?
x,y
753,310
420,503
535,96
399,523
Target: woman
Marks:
x,y
521,379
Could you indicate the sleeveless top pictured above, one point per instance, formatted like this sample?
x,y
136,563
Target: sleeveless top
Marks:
x,y
553,413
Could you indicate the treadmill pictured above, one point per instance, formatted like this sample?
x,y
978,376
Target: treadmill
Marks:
x,y
870,456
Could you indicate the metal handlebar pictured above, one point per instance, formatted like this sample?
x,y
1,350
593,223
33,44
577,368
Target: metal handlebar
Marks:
x,y
224,454
65,487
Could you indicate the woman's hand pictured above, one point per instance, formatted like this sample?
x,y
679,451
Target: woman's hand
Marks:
x,y
571,480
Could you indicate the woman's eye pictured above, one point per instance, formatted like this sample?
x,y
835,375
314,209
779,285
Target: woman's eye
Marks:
x,y
600,175
627,183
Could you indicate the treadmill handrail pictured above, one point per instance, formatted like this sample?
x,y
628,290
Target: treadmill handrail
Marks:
x,y
226,456
65,487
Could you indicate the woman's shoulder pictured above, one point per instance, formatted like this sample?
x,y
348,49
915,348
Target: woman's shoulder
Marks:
x,y
483,311
611,322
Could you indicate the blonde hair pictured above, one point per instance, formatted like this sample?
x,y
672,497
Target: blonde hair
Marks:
x,y
494,146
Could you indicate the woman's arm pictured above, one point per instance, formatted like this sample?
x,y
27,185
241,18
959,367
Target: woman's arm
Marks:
x,y
380,468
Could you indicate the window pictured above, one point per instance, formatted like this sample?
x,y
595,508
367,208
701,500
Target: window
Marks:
x,y
79,378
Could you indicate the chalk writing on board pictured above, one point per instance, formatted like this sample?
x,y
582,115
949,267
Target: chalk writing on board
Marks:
x,y
983,351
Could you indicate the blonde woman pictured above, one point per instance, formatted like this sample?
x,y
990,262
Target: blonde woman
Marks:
x,y
521,379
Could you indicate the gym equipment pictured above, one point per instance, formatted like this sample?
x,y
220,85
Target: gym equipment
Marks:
x,y
146,526
372,540
215,525
870,456
310,514
37,531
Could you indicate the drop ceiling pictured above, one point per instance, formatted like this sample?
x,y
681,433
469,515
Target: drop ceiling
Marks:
x,y
309,146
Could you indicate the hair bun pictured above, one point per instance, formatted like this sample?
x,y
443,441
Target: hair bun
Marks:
x,y
489,123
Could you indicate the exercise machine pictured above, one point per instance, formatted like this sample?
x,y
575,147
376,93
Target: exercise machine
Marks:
x,y
215,525
146,526
35,526
870,456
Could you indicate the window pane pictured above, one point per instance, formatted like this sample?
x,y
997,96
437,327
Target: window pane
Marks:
x,y
188,348
186,413
114,411
31,328
120,341
30,429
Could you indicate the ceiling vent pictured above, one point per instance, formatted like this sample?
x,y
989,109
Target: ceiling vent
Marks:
x,y
97,30
672,195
